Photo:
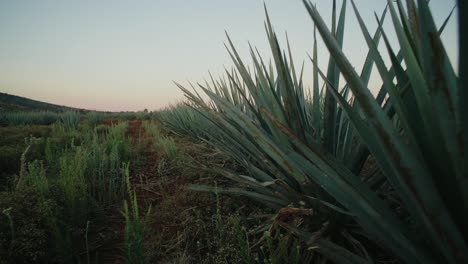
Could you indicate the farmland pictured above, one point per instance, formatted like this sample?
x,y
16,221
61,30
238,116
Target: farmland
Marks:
x,y
112,192
254,166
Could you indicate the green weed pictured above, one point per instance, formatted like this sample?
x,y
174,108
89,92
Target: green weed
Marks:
x,y
168,147
33,175
72,181
133,225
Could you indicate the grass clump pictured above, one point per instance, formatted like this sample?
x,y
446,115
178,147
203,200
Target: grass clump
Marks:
x,y
106,153
33,176
72,180
169,147
162,141
133,226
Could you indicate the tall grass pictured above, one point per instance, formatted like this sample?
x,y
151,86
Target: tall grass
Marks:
x,y
133,225
80,175
314,152
152,129
72,180
33,176
107,153
52,153
168,147
164,143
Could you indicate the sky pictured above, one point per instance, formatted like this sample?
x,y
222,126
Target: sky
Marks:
x,y
124,55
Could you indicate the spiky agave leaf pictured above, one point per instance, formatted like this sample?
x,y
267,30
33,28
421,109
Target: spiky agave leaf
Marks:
x,y
415,180
263,119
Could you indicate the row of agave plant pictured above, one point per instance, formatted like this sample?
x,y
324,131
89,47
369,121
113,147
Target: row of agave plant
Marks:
x,y
314,150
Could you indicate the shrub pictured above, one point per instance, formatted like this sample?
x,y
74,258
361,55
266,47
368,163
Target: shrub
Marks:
x,y
308,153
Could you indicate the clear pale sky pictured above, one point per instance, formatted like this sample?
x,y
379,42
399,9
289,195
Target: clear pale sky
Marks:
x,y
124,55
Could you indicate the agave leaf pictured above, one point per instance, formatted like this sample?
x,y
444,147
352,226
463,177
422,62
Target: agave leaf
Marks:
x,y
272,89
409,170
462,128
339,254
370,138
412,17
442,84
408,26
332,251
291,63
369,62
271,201
347,189
240,65
331,206
316,112
401,109
441,30
267,96
416,77
334,76
264,121
266,144
358,157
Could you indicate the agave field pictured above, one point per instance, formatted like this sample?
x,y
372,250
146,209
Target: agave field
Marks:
x,y
256,166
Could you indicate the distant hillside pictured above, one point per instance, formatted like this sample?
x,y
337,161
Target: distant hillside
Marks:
x,y
10,102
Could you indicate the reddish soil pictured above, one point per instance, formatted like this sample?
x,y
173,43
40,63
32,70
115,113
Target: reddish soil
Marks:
x,y
110,122
147,156
107,243
134,128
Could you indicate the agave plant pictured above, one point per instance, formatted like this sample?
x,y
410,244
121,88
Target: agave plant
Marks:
x,y
29,118
70,119
313,150
183,120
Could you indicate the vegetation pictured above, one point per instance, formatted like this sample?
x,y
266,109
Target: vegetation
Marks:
x,y
265,171
62,196
29,118
78,173
133,225
347,167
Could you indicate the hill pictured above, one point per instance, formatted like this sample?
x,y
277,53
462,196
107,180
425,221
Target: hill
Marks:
x,y
10,102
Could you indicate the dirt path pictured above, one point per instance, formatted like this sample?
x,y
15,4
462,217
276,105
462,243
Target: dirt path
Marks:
x,y
179,218
107,235
142,170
